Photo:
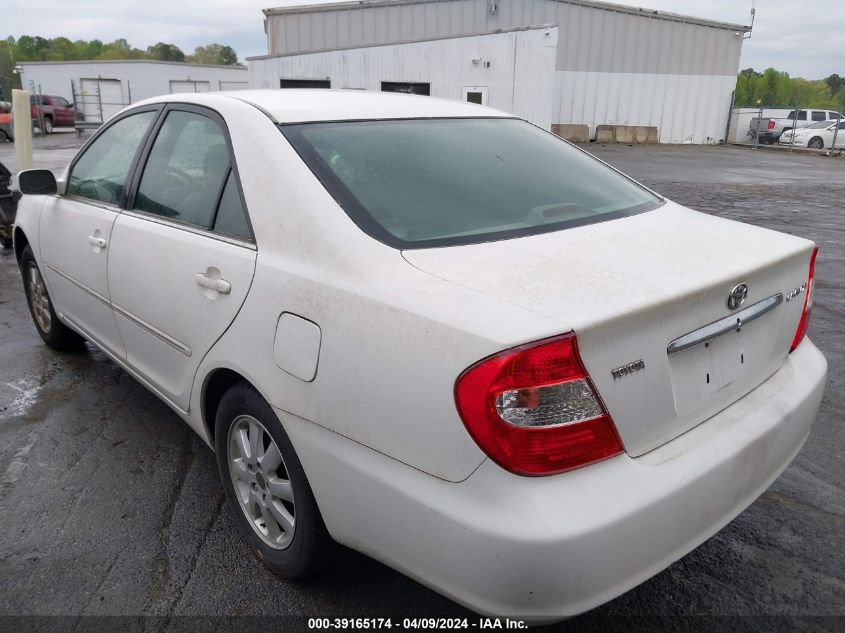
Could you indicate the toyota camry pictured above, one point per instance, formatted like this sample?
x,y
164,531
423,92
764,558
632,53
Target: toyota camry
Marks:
x,y
431,332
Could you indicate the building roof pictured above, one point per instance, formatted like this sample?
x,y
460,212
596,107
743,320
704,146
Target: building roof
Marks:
x,y
620,8
132,61
352,47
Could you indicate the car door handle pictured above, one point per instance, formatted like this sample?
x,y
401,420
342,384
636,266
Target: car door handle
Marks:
x,y
219,285
99,242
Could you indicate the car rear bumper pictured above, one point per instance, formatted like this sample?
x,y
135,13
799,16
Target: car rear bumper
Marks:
x,y
546,548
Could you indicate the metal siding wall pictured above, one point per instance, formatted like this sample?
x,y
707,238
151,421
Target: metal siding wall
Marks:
x,y
614,67
520,78
607,37
684,108
138,80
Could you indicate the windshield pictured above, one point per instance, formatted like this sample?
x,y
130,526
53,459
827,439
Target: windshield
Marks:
x,y
418,183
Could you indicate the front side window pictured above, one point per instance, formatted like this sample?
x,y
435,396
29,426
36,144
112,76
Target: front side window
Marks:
x,y
100,173
432,182
187,168
819,116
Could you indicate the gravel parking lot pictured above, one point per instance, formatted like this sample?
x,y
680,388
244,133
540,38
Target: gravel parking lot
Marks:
x,y
110,506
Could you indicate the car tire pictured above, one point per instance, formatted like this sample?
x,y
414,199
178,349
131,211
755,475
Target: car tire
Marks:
x,y
816,143
297,546
52,331
48,126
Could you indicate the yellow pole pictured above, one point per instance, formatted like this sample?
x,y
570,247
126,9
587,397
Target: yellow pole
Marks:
x,y
22,122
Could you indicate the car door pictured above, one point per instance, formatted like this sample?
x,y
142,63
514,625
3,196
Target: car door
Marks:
x,y
183,254
75,228
838,138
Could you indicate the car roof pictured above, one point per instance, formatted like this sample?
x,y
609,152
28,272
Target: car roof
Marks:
x,y
295,105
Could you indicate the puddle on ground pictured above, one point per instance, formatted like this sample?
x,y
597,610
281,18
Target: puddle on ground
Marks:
x,y
24,395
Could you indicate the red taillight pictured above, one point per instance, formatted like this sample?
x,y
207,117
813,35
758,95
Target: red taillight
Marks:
x,y
804,323
771,124
534,410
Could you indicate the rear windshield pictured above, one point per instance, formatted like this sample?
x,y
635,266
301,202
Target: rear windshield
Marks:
x,y
418,183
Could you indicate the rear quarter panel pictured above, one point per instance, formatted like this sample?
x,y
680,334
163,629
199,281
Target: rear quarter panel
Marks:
x,y
394,339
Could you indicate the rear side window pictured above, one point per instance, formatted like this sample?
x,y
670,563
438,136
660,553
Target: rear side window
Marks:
x,y
798,115
100,173
432,182
186,170
231,216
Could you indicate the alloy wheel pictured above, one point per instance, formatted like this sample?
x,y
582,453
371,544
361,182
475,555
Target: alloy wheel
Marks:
x,y
261,482
39,299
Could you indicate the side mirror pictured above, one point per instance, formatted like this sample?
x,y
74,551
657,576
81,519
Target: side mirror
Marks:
x,y
37,182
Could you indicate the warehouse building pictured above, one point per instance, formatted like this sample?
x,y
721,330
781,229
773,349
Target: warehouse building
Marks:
x,y
557,63
100,88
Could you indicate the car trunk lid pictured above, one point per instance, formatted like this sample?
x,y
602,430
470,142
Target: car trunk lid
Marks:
x,y
631,287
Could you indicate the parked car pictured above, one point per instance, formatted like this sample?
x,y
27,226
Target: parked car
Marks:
x,y
49,111
432,332
770,129
5,121
8,206
817,136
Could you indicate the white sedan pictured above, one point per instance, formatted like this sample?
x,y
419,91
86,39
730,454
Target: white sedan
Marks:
x,y
820,135
431,332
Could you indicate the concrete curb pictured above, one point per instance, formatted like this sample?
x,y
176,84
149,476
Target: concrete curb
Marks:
x,y
837,153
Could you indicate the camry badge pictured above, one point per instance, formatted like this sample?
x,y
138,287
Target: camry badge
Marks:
x,y
737,295
795,292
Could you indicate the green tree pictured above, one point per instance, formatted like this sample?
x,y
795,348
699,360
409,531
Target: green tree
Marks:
x,y
30,49
8,78
120,49
165,52
777,89
59,49
214,54
835,83
83,49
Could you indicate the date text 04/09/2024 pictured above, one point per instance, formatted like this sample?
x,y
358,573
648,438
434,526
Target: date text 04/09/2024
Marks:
x,y
415,623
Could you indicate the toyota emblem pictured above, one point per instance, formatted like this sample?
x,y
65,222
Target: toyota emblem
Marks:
x,y
737,296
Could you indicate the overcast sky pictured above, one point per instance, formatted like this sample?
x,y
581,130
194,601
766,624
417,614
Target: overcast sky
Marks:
x,y
799,36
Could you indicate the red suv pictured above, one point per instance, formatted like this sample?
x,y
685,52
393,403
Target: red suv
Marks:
x,y
49,112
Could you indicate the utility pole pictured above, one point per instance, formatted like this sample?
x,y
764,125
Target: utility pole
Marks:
x,y
759,120
794,121
22,121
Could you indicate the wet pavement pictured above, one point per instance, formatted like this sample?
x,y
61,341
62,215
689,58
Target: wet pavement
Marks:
x,y
109,505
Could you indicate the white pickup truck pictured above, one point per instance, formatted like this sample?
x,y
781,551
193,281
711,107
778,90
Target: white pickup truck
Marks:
x,y
770,129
